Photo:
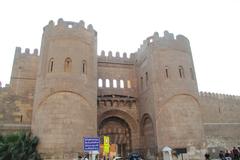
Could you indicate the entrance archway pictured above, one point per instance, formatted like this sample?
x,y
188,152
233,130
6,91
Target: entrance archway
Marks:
x,y
147,132
119,132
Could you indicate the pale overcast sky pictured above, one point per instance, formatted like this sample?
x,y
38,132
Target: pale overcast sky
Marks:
x,y
212,26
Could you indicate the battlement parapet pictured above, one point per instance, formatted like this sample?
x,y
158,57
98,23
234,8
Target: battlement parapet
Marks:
x,y
26,52
69,26
218,96
4,88
168,41
109,58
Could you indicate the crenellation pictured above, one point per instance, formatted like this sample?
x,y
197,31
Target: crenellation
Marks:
x,y
110,54
82,23
167,41
132,56
102,53
60,22
4,88
35,51
24,71
27,51
182,38
50,26
117,54
168,36
219,96
117,58
51,23
90,28
155,36
146,43
18,52
69,25
124,55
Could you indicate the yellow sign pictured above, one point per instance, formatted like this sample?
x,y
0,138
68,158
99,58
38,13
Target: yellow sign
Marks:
x,y
106,140
106,149
106,145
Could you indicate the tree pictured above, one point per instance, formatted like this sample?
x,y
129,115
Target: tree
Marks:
x,y
19,146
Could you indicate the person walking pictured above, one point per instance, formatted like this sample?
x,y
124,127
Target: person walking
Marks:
x,y
221,155
235,153
228,155
207,156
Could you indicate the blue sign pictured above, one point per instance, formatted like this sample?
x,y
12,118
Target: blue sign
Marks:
x,y
91,144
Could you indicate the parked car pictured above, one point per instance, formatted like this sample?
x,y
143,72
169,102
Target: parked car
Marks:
x,y
118,158
134,156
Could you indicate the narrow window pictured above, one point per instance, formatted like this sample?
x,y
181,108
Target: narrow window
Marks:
x,y
21,118
121,84
181,72
67,65
84,67
128,84
107,83
141,82
146,77
166,72
50,65
114,83
100,83
192,74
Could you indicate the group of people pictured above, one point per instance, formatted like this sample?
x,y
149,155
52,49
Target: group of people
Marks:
x,y
233,154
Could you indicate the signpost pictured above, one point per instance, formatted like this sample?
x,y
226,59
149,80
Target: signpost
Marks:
x,y
106,144
91,144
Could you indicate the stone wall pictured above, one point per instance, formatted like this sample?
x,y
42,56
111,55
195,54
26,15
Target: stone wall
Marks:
x,y
118,73
221,120
11,128
15,109
24,72
63,119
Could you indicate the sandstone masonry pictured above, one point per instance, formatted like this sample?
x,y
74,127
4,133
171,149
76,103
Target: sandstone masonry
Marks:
x,y
144,102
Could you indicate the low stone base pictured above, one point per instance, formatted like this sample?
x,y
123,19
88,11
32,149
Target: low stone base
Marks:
x,y
59,156
12,128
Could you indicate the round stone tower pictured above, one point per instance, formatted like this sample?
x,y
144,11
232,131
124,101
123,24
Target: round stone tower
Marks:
x,y
65,107
166,71
179,119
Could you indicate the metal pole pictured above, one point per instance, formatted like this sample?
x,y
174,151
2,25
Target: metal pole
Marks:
x,y
90,155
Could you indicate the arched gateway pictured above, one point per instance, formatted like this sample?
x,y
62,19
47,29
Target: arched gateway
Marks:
x,y
119,132
147,134
121,128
